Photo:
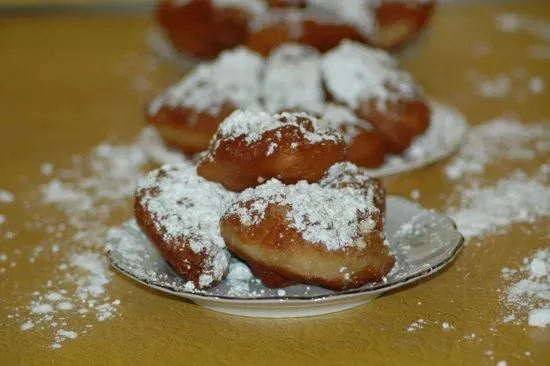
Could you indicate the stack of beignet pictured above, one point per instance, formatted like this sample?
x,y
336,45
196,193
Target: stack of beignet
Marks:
x,y
275,191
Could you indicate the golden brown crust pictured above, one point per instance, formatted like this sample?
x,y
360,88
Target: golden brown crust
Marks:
x,y
367,149
199,30
399,122
321,36
399,22
176,252
283,153
280,256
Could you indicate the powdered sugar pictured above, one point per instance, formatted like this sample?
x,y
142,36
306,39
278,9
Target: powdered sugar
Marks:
x,y
253,125
343,120
539,317
312,211
185,209
498,140
512,200
358,13
528,289
233,78
511,23
293,77
6,197
355,73
293,80
86,193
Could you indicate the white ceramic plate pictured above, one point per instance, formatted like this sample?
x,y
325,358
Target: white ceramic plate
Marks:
x,y
423,242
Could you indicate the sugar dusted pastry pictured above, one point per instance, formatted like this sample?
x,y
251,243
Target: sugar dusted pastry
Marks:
x,y
180,211
349,176
188,114
370,82
358,91
251,147
308,233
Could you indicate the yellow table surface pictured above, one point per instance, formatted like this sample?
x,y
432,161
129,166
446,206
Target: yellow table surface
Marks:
x,y
69,81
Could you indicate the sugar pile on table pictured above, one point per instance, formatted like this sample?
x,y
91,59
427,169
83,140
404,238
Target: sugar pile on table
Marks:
x,y
479,208
528,290
87,193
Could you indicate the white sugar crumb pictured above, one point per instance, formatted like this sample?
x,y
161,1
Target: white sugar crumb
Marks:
x,y
2,219
527,290
536,85
62,334
42,309
6,197
27,325
508,23
65,305
239,271
312,211
512,23
54,296
502,363
539,317
354,73
538,268
281,292
46,169
415,194
498,87
253,125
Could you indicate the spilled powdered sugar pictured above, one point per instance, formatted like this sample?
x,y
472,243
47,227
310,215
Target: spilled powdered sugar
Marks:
x,y
76,296
493,208
6,197
528,290
333,217
482,208
497,141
